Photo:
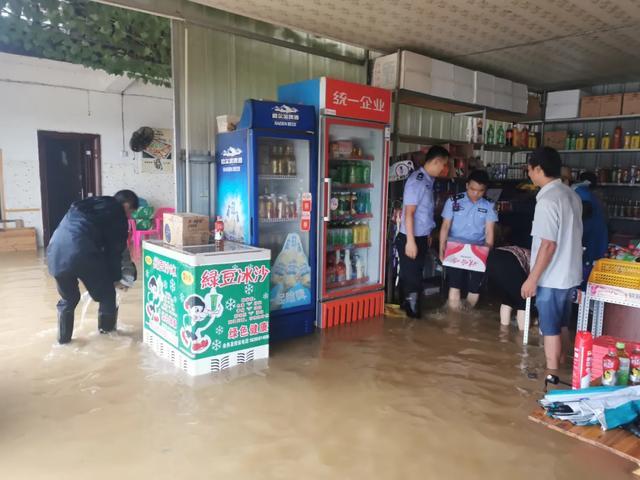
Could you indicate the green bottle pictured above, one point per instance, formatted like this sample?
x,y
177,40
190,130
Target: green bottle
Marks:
x,y
572,146
490,135
500,139
567,142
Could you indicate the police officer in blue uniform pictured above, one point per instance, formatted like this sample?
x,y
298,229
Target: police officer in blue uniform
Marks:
x,y
468,218
416,226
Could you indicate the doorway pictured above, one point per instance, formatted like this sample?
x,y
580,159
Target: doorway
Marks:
x,y
69,171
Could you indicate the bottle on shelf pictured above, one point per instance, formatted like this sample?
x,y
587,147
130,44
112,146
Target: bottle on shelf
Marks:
x,y
509,136
617,138
360,267
592,141
580,142
635,140
627,140
290,159
341,269
622,377
490,135
605,141
524,138
478,131
572,141
567,141
348,268
515,136
610,366
331,269
500,136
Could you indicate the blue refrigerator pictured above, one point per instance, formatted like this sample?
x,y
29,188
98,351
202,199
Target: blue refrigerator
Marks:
x,y
267,183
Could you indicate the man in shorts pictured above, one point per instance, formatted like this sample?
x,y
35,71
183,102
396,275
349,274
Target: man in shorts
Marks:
x,y
556,252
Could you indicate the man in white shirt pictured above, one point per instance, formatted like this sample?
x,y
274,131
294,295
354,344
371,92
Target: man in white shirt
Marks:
x,y
556,252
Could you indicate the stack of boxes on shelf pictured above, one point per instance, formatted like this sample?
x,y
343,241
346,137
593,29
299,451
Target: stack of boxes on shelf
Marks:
x,y
429,76
569,104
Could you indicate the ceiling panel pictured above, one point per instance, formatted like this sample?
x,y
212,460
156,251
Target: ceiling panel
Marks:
x,y
541,42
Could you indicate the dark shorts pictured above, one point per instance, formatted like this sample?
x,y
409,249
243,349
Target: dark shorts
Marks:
x,y
554,309
464,279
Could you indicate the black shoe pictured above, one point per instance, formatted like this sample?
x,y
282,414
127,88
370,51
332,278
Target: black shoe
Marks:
x,y
107,322
65,327
411,313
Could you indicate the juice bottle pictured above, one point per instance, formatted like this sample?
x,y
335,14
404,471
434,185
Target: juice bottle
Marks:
x,y
605,142
509,137
580,143
617,138
591,141
524,138
348,268
218,233
360,274
610,366
635,140
627,140
623,369
634,363
582,360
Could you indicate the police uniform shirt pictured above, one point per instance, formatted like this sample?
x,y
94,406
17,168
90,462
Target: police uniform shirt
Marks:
x,y
468,219
418,191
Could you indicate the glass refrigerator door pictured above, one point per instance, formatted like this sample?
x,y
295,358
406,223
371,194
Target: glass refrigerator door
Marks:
x,y
353,227
283,193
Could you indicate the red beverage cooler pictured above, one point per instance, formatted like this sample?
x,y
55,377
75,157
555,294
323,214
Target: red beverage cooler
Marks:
x,y
353,151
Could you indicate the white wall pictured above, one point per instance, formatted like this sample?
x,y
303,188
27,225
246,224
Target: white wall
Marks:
x,y
38,94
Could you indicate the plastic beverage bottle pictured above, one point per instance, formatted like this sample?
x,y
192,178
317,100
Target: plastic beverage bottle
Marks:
x,y
490,135
610,366
500,135
591,141
360,274
348,268
573,141
617,138
580,143
634,363
622,377
341,270
627,140
509,136
567,141
635,140
605,143
582,360
218,232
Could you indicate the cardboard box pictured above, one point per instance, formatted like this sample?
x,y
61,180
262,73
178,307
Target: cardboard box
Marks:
x,y
610,105
520,97
484,89
185,229
463,84
503,86
590,106
631,104
563,104
466,256
415,74
555,139
503,101
18,239
534,108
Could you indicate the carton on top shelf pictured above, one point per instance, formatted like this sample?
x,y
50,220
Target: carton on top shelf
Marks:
x,y
631,103
611,105
590,106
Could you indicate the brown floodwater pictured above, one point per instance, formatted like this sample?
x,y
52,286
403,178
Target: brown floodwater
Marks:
x,y
445,397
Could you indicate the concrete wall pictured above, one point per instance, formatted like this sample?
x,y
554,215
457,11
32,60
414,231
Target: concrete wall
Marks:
x,y
38,94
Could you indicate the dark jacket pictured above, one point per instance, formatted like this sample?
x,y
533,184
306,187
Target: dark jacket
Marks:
x,y
90,239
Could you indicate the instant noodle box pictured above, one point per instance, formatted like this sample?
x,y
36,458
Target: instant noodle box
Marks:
x,y
206,308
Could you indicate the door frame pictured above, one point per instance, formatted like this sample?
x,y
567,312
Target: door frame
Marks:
x,y
92,169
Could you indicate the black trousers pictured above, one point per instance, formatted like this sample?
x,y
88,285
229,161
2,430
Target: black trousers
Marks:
x,y
99,286
411,268
507,275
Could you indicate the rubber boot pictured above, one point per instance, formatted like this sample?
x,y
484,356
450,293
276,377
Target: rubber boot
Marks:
x,y
107,322
411,305
65,327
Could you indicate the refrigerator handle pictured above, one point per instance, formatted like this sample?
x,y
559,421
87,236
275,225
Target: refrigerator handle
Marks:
x,y
327,201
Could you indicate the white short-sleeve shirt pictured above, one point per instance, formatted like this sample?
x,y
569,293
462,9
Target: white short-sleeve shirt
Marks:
x,y
558,217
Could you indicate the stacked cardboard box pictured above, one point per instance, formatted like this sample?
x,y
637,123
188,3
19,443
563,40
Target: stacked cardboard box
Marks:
x,y
185,229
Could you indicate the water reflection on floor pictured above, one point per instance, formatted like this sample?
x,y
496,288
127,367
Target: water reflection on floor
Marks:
x,y
446,397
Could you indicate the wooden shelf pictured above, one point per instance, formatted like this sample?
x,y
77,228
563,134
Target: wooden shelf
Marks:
x,y
357,216
418,140
348,283
626,219
333,248
610,150
352,186
592,119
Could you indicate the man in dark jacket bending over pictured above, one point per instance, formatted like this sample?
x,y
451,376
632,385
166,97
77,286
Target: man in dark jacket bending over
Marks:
x,y
88,245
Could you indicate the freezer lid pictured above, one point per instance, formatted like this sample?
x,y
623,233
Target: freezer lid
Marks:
x,y
204,254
